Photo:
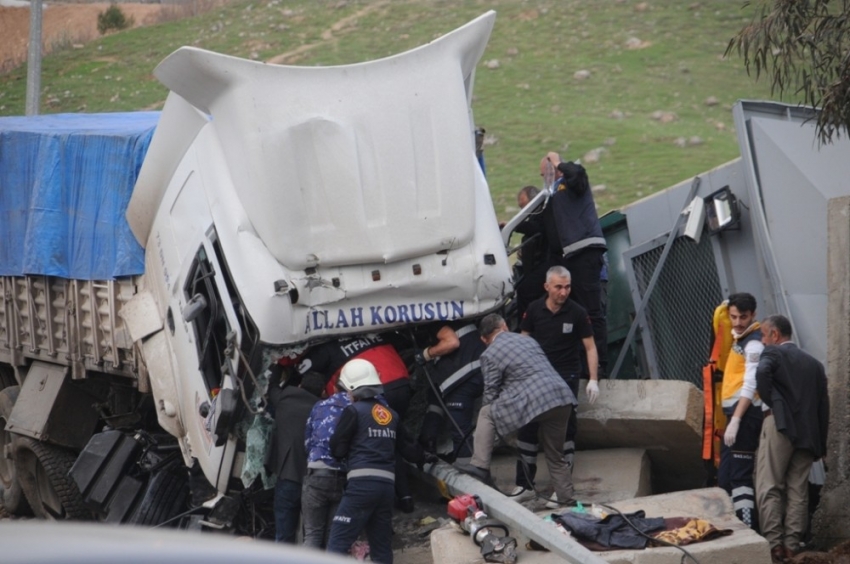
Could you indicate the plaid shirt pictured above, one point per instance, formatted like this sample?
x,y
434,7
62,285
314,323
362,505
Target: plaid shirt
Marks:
x,y
519,382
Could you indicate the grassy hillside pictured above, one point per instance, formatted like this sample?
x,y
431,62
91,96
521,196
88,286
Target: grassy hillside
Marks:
x,y
644,59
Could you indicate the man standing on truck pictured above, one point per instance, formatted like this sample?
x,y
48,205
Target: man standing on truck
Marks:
x,y
576,241
368,437
563,329
325,479
292,405
742,406
455,372
520,387
792,385
329,358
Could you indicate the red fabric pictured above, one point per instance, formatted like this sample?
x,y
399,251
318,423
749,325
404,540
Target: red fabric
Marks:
x,y
387,362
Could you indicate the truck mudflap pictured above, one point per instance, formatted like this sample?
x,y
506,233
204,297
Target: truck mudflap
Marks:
x,y
132,479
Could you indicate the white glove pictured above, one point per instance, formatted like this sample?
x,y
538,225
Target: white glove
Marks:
x,y
592,390
732,431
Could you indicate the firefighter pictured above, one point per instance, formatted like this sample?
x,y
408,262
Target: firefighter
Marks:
x,y
368,436
456,374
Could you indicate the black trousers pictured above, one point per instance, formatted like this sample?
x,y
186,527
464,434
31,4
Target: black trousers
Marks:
x,y
585,268
460,403
397,394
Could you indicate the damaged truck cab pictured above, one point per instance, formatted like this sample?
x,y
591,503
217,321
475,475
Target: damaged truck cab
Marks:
x,y
278,207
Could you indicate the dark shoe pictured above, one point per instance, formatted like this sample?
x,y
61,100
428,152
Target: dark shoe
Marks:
x,y
778,555
405,504
480,474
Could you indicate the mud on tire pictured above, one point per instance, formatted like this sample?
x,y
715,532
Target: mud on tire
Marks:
x,y
43,475
11,494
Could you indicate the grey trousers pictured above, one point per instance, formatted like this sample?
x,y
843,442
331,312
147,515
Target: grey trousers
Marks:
x,y
553,427
320,497
782,489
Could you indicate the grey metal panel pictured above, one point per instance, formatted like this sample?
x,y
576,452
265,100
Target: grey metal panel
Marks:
x,y
50,408
655,215
791,180
739,266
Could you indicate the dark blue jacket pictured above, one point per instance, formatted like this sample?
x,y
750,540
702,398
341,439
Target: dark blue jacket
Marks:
x,y
368,435
572,213
452,370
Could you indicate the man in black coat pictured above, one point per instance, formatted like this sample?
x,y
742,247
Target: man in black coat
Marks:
x,y
792,385
292,405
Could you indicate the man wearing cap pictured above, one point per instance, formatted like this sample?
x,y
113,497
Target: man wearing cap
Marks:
x,y
368,436
520,387
329,358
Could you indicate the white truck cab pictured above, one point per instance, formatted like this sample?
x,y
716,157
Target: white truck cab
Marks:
x,y
280,207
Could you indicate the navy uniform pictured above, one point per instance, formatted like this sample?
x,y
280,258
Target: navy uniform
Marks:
x,y
368,436
457,376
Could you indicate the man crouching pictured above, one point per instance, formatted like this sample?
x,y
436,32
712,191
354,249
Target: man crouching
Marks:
x,y
520,387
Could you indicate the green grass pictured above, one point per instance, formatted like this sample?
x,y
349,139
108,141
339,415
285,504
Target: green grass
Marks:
x,y
529,105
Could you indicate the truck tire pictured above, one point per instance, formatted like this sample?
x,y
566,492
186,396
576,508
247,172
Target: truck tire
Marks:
x,y
43,475
11,494
165,498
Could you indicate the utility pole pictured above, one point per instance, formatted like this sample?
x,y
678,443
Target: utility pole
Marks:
x,y
34,59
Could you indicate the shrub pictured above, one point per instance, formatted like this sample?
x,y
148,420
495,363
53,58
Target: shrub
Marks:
x,y
112,18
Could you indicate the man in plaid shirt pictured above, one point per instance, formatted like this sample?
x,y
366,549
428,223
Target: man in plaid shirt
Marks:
x,y
520,386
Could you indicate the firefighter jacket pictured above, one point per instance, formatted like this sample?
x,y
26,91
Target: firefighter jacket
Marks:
x,y
452,370
368,435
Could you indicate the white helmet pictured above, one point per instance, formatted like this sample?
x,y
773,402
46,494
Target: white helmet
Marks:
x,y
358,373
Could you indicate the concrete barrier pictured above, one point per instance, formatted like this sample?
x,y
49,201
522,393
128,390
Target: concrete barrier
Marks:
x,y
662,416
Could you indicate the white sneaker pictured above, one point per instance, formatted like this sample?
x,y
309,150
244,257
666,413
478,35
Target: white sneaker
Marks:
x,y
555,504
520,494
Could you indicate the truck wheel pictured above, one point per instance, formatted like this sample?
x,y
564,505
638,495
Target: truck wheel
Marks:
x,y
43,474
165,498
11,495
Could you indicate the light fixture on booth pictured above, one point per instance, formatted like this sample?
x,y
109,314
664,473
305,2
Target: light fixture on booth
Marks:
x,y
722,211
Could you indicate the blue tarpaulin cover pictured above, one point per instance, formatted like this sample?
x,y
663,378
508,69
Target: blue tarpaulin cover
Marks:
x,y
65,182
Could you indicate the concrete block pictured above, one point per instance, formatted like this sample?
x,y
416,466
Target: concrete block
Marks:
x,y
743,546
599,475
662,416
612,474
